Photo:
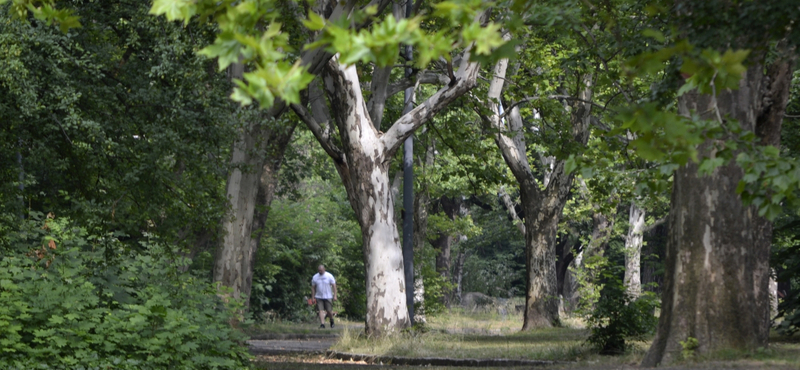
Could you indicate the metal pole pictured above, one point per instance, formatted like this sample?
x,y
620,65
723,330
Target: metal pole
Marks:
x,y
408,190
21,180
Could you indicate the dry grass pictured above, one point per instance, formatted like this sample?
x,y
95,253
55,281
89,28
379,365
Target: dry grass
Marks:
x,y
560,344
490,334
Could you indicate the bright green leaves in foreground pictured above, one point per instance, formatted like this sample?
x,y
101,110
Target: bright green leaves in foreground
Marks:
x,y
44,11
663,135
250,35
713,72
243,39
381,43
769,181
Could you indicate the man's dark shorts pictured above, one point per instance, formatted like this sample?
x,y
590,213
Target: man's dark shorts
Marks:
x,y
324,305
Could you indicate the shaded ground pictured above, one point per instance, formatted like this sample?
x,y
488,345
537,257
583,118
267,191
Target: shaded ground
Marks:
x,y
276,347
322,363
463,336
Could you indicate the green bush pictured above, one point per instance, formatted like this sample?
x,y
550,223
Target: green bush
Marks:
x,y
618,318
785,260
78,301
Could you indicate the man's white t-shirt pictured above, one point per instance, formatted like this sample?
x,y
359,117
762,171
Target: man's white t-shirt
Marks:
x,y
323,284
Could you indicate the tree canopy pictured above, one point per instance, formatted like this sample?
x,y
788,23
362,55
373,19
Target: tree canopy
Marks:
x,y
184,160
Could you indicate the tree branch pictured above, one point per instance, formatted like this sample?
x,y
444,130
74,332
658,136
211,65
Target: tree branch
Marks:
x,y
321,136
509,205
61,127
403,128
425,78
654,225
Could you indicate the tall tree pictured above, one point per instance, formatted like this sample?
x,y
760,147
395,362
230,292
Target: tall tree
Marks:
x,y
542,201
363,164
633,250
348,34
717,257
715,276
256,158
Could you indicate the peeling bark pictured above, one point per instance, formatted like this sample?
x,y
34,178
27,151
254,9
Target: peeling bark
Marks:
x,y
633,250
565,253
363,164
542,208
717,258
256,157
458,274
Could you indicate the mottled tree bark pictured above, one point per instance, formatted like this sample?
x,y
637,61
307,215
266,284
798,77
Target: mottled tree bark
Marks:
x,y
542,208
253,153
717,259
633,250
458,275
363,164
565,254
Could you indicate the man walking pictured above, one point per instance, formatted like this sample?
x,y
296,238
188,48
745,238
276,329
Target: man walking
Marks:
x,y
323,289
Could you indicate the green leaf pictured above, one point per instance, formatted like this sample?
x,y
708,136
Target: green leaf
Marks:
x,y
655,34
174,9
314,22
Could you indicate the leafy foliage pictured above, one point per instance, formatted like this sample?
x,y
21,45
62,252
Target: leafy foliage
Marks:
x,y
278,72
75,300
117,125
617,317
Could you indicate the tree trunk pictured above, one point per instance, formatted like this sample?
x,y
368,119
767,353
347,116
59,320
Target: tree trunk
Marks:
x,y
370,195
565,255
421,203
541,227
257,156
363,164
717,258
458,275
633,250
233,263
542,208
452,207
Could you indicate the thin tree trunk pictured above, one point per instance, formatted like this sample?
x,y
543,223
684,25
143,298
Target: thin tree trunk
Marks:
x,y
717,258
633,250
452,207
421,204
565,252
458,274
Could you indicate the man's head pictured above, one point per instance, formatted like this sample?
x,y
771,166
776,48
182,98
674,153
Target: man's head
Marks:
x,y
321,269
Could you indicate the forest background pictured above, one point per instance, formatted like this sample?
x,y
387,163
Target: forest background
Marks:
x,y
121,232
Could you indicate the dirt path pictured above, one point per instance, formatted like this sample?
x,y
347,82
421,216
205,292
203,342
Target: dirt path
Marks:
x,y
293,346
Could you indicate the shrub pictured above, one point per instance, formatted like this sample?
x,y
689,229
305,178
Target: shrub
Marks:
x,y
785,261
618,318
78,301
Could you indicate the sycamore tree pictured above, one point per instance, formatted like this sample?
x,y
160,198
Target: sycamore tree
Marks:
x,y
729,67
543,109
346,41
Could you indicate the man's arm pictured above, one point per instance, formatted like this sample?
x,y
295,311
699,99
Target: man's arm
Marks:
x,y
334,291
313,292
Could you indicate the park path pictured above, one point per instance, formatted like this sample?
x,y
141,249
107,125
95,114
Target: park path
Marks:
x,y
290,346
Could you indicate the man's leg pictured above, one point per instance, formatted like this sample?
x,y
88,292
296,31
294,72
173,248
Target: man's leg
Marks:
x,y
329,309
321,307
